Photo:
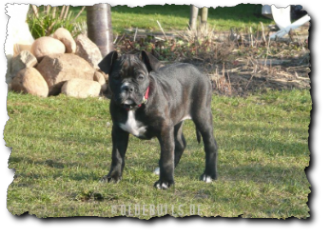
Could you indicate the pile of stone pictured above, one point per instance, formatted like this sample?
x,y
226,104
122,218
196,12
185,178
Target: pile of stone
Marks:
x,y
59,64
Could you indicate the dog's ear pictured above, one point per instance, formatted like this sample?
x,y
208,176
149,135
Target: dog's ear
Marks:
x,y
150,61
107,63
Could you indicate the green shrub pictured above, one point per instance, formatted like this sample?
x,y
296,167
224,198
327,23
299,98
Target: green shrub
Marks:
x,y
45,20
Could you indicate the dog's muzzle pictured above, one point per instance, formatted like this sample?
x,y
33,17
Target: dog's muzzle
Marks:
x,y
128,97
128,101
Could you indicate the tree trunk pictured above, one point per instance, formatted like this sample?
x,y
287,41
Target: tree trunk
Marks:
x,y
204,14
193,17
100,27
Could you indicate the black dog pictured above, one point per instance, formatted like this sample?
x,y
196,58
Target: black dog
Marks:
x,y
150,100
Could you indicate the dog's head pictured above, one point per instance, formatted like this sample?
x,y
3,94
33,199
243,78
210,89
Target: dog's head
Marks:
x,y
129,76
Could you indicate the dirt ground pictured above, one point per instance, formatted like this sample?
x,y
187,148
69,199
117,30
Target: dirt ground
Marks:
x,y
273,74
278,72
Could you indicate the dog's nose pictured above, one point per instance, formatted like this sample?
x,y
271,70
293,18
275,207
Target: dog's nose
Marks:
x,y
128,88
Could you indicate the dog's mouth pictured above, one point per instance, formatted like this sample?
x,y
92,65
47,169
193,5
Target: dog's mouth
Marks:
x,y
128,101
129,104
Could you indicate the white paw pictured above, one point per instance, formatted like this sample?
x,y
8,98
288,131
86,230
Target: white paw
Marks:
x,y
164,186
207,179
157,171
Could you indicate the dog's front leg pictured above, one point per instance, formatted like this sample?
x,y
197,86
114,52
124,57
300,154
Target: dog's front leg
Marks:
x,y
119,146
166,162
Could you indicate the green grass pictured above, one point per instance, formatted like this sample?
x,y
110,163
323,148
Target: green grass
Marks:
x,y
176,17
61,147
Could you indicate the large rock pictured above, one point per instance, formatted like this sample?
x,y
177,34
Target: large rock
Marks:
x,y
29,80
46,46
98,76
65,37
58,68
88,50
24,59
81,88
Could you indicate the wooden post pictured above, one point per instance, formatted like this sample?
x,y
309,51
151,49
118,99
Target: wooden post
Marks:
x,y
100,27
204,13
193,17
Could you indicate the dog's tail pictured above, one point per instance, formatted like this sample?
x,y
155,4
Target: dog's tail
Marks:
x,y
198,135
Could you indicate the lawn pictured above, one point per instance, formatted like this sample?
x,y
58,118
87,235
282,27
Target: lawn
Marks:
x,y
176,17
61,146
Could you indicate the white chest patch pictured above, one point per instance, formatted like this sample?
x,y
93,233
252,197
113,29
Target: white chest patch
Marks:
x,y
133,126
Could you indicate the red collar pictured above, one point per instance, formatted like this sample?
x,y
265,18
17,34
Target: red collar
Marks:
x,y
145,98
146,95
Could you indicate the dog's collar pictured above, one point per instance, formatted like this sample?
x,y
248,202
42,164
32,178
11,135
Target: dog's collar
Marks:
x,y
145,97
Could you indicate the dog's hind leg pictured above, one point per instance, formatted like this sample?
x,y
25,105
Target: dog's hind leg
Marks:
x,y
180,143
203,123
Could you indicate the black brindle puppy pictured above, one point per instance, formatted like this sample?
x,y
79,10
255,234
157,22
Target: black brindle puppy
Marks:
x,y
150,100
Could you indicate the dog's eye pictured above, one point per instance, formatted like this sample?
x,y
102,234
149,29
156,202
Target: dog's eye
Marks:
x,y
140,77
